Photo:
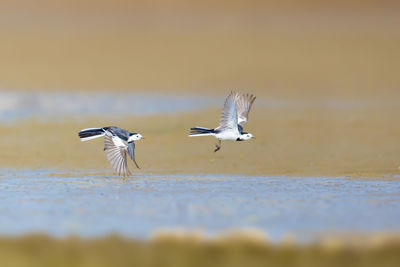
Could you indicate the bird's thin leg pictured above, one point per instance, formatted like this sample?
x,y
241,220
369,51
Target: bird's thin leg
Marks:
x,y
218,146
136,164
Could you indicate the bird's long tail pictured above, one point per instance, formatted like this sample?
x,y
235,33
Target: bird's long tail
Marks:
x,y
200,131
91,133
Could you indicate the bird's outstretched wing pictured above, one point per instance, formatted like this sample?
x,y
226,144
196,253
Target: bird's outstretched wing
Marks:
x,y
116,155
243,106
131,151
229,119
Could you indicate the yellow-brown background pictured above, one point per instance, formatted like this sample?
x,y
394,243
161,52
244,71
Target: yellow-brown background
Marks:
x,y
308,52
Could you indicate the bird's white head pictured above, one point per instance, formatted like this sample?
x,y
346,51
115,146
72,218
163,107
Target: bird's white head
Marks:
x,y
134,137
245,136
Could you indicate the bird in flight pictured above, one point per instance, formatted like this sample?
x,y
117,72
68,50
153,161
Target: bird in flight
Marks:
x,y
117,143
234,116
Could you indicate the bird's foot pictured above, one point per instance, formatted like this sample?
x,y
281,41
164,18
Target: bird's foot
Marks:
x,y
217,147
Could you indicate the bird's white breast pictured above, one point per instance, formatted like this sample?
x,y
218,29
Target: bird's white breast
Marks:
x,y
228,135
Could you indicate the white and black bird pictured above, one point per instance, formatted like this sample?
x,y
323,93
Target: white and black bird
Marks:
x,y
117,143
234,116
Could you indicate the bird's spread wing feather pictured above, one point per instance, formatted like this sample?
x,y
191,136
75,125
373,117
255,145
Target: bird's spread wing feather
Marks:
x,y
243,106
116,155
131,151
229,119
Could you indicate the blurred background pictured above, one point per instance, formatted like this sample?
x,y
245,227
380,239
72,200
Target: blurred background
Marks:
x,y
277,48
325,162
325,74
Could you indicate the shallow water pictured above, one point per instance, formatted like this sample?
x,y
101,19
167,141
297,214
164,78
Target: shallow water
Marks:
x,y
60,204
21,105
56,105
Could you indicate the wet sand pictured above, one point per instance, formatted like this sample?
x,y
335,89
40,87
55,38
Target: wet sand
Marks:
x,y
353,141
304,144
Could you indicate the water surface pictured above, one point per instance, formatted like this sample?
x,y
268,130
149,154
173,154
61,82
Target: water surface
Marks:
x,y
59,105
61,203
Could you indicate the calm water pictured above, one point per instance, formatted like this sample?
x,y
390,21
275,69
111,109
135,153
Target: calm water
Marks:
x,y
93,205
56,105
15,106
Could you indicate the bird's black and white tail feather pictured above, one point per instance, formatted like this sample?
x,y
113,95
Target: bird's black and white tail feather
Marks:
x,y
91,133
200,131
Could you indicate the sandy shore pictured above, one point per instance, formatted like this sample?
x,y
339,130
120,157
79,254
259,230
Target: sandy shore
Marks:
x,y
343,61
291,141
